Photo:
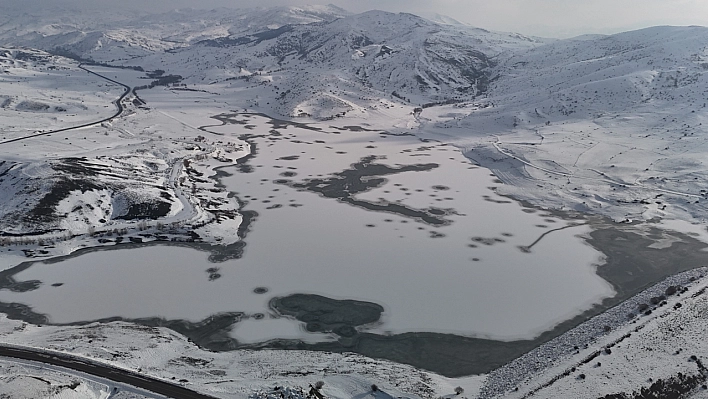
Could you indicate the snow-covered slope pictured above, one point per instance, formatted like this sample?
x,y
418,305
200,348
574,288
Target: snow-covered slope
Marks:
x,y
122,36
317,61
400,55
587,76
596,122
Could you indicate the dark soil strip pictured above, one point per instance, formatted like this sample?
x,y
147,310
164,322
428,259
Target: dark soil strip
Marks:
x,y
527,248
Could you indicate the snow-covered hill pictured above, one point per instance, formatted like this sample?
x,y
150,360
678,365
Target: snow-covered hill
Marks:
x,y
121,36
318,61
611,124
588,76
352,61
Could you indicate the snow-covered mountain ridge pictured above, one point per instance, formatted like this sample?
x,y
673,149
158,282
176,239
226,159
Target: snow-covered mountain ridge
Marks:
x,y
399,56
119,36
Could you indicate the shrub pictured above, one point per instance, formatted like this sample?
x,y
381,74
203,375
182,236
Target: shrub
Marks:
x,y
459,390
657,299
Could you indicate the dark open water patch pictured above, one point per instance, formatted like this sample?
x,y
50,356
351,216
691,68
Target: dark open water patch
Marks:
x,y
276,123
213,273
322,314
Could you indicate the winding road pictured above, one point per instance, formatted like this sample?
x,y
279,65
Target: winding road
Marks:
x,y
102,371
118,104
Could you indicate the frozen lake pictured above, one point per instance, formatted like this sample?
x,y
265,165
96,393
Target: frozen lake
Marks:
x,y
346,213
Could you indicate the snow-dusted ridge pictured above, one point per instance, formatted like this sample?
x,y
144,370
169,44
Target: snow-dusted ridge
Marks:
x,y
546,102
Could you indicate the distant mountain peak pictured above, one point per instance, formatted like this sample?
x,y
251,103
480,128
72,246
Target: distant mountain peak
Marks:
x,y
443,19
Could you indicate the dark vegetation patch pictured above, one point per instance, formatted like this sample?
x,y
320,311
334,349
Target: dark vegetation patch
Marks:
x,y
64,52
164,80
146,210
250,39
675,387
45,210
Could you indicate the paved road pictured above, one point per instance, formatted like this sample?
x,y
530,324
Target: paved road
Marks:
x,y
117,103
103,371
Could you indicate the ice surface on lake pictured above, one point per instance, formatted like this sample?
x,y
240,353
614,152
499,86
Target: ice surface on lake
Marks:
x,y
470,277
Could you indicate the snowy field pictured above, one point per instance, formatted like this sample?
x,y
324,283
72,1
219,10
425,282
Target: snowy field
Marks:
x,y
611,125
